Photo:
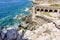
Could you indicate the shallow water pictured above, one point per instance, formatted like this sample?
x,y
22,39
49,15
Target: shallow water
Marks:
x,y
10,8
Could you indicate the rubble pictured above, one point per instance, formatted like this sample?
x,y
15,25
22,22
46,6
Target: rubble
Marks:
x,y
57,22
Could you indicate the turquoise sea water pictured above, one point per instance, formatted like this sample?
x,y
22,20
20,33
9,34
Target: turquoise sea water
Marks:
x,y
10,8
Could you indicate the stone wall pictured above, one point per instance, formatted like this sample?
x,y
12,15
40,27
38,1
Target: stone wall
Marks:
x,y
46,1
47,9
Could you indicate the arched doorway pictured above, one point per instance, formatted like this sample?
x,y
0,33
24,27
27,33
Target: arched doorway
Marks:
x,y
55,10
50,10
42,10
46,10
38,9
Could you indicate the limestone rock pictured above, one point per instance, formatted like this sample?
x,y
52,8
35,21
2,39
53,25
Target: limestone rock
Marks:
x,y
11,34
57,22
45,32
0,38
2,35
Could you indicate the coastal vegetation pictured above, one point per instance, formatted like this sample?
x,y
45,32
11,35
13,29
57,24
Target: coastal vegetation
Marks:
x,y
55,5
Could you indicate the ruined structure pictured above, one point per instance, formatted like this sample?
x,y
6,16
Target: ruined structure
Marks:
x,y
46,1
46,8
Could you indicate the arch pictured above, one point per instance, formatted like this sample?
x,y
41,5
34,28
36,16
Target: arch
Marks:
x,y
38,9
42,10
50,10
46,10
55,10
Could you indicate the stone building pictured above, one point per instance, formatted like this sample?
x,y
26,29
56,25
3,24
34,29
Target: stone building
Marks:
x,y
45,7
46,1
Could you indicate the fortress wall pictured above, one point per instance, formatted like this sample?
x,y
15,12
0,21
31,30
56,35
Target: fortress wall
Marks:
x,y
46,1
46,9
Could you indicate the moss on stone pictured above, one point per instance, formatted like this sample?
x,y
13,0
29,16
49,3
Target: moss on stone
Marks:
x,y
47,13
55,5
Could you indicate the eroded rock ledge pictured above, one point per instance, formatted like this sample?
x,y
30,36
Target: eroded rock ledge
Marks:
x,y
45,32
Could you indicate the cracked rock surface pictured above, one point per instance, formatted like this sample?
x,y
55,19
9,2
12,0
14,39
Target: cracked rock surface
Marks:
x,y
45,32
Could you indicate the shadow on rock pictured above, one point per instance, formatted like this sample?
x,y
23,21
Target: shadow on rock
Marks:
x,y
14,35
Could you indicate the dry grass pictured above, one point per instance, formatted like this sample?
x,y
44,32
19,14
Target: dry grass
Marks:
x,y
46,13
55,5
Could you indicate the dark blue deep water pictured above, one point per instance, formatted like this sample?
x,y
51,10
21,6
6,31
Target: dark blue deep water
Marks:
x,y
11,8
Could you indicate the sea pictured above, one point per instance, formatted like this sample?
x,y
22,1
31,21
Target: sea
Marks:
x,y
10,8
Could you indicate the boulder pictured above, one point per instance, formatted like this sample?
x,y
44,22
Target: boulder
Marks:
x,y
0,38
2,35
19,37
24,39
11,34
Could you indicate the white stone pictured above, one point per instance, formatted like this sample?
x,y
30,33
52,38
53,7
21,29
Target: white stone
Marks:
x,y
40,34
26,9
57,22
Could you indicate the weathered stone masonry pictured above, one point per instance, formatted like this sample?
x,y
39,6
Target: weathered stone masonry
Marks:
x,y
47,9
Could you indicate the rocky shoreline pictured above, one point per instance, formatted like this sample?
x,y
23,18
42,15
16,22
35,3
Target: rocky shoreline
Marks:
x,y
35,30
11,34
